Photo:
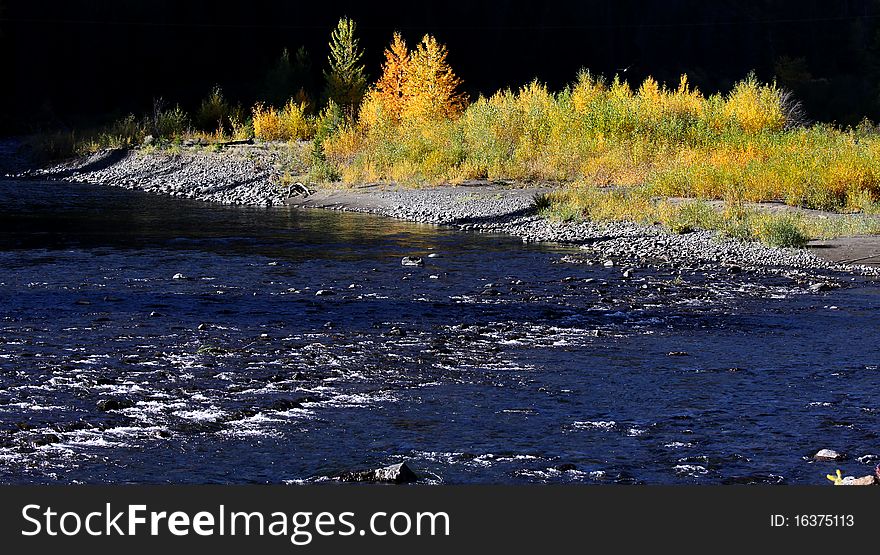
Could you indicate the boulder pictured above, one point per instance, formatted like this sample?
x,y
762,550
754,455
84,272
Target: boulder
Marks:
x,y
863,481
324,292
828,455
399,473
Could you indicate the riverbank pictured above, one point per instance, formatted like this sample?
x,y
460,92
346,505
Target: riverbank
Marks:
x,y
267,175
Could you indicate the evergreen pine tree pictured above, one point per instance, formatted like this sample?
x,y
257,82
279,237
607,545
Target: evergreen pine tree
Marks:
x,y
345,78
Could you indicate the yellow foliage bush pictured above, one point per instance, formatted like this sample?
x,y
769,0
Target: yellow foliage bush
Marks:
x,y
289,123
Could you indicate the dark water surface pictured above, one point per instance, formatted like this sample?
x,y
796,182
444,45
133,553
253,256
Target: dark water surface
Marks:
x,y
496,362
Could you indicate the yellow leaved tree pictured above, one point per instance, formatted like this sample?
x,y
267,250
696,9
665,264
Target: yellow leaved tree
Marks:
x,y
430,87
415,86
389,88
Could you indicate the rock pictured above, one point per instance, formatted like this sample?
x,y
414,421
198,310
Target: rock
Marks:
x,y
566,467
395,474
155,314
178,276
105,405
324,292
828,455
608,263
678,354
202,327
819,287
395,332
628,273
863,481
412,261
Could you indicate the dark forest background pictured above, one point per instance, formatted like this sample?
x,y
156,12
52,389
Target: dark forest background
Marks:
x,y
81,62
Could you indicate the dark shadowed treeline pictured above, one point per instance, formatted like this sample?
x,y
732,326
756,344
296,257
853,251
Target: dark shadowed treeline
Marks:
x,y
75,62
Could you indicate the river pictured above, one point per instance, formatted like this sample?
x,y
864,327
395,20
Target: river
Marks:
x,y
496,362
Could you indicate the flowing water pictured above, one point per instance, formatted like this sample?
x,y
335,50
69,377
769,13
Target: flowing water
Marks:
x,y
496,362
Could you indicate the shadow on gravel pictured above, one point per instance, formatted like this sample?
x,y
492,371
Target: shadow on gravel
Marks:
x,y
98,163
496,218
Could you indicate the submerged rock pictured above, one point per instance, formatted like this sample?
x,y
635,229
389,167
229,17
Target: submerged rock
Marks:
x,y
412,261
399,473
44,439
819,287
105,405
178,276
324,292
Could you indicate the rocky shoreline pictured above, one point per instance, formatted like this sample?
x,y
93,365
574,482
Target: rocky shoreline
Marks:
x,y
252,175
235,175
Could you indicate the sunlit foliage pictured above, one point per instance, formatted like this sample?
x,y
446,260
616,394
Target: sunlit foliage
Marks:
x,y
289,123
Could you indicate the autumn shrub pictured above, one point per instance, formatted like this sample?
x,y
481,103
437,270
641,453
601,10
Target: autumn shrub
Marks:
x,y
289,123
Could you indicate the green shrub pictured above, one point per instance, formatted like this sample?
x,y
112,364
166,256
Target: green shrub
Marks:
x,y
171,123
781,232
214,111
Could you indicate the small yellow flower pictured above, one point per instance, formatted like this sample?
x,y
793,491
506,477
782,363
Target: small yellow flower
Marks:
x,y
836,479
